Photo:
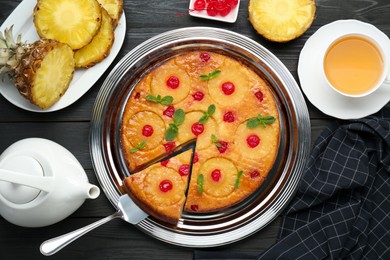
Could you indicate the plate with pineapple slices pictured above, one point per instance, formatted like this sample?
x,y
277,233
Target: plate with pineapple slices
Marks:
x,y
65,68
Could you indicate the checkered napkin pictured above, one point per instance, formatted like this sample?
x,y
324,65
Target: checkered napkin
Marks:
x,y
342,207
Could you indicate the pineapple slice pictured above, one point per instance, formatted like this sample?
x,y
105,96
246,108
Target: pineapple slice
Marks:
x,y
114,9
45,72
74,22
281,20
99,47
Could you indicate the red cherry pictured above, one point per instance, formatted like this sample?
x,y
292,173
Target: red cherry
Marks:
x,y
253,141
169,146
196,158
211,10
222,7
228,88
194,207
254,174
228,117
184,169
166,185
164,163
147,130
224,146
198,96
137,95
173,82
204,56
259,95
197,128
169,111
232,3
200,5
216,175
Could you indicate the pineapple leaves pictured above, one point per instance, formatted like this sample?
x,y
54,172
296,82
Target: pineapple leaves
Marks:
x,y
200,182
237,183
211,75
206,115
138,147
167,100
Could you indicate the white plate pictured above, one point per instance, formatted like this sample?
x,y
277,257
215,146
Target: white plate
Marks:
x,y
314,85
230,18
83,79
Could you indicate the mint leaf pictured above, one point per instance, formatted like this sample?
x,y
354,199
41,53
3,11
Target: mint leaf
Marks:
x,y
200,182
173,130
138,147
167,100
260,120
206,115
178,117
237,183
211,75
215,141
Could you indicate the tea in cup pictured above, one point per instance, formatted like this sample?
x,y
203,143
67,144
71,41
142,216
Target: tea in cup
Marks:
x,y
355,65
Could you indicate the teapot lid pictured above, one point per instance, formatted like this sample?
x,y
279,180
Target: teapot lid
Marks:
x,y
17,193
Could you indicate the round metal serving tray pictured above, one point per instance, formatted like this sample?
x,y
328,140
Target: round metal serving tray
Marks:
x,y
255,212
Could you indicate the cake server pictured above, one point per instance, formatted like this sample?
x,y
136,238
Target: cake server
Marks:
x,y
127,210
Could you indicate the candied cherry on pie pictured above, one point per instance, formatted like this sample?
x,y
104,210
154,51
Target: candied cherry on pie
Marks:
x,y
165,185
184,170
197,128
253,140
216,175
194,207
169,111
229,117
173,82
147,130
169,146
259,95
198,95
228,88
164,163
223,146
254,174
204,56
196,158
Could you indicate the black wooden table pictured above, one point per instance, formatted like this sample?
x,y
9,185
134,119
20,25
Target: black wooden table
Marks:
x,y
70,128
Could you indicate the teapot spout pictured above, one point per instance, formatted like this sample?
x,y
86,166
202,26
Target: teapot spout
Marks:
x,y
91,191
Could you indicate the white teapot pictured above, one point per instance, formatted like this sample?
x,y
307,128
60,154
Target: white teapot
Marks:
x,y
41,183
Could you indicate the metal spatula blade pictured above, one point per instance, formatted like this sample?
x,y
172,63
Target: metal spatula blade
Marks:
x,y
127,210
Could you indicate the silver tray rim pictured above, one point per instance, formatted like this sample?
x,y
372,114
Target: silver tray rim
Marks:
x,y
298,121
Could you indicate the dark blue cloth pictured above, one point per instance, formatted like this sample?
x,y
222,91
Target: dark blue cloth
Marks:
x,y
342,207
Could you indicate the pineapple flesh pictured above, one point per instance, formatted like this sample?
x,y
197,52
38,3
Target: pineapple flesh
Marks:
x,y
99,47
281,20
74,22
41,71
114,9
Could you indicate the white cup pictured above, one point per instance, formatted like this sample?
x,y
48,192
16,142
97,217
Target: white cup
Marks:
x,y
338,58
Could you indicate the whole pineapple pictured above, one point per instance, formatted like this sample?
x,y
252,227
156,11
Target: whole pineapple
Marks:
x,y
41,71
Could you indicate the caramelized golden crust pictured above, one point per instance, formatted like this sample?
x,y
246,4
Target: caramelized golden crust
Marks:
x,y
232,158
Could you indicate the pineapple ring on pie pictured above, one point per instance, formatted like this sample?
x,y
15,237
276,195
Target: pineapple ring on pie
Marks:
x,y
161,175
141,122
170,80
231,86
100,46
258,142
220,174
281,20
74,22
114,9
191,129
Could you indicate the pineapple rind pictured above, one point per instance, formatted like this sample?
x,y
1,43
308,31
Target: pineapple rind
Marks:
x,y
281,20
114,9
53,76
74,22
99,47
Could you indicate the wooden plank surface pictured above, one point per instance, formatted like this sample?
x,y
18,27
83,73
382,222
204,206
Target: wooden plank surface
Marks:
x,y
70,128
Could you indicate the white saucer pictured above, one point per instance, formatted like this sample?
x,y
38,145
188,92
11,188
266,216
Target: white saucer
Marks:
x,y
313,83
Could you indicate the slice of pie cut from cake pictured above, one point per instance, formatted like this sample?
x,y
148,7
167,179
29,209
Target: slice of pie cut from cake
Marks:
x,y
160,189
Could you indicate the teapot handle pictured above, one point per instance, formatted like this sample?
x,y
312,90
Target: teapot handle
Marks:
x,y
38,182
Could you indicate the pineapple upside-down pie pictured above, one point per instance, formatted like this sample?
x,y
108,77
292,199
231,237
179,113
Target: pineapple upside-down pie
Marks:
x,y
220,104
